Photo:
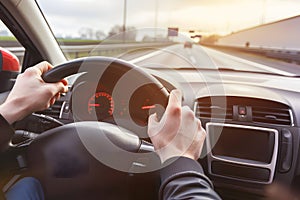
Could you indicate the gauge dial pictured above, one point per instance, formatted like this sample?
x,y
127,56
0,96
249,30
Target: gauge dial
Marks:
x,y
102,105
144,101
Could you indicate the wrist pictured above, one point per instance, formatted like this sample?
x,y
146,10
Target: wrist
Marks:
x,y
12,110
170,152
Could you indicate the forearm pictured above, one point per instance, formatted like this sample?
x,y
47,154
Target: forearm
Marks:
x,y
184,179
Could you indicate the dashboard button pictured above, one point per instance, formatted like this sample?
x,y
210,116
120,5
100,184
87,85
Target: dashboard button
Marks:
x,y
242,110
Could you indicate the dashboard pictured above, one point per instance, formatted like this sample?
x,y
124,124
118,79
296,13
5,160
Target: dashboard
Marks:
x,y
252,132
252,127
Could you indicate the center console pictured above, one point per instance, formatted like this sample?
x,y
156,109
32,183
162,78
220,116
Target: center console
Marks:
x,y
240,152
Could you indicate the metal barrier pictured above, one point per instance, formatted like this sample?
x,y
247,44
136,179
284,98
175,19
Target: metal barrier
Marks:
x,y
289,55
76,51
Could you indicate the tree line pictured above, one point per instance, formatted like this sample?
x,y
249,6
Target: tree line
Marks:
x,y
115,33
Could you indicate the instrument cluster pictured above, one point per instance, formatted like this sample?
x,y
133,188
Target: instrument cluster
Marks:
x,y
104,104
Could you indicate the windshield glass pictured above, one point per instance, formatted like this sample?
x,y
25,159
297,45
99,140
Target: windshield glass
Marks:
x,y
232,35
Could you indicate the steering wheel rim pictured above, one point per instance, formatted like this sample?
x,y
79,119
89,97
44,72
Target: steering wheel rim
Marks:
x,y
96,66
87,65
82,65
81,137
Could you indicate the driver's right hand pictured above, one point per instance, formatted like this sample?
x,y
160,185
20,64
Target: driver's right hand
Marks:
x,y
178,133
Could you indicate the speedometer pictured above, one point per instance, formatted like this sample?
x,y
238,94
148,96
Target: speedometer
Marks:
x,y
101,104
144,101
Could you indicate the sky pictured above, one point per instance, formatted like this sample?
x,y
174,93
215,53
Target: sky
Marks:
x,y
67,17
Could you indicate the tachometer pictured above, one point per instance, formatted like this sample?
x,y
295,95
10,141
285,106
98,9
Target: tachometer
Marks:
x,y
101,104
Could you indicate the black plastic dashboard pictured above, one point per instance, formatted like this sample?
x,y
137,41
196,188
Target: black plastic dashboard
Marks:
x,y
252,123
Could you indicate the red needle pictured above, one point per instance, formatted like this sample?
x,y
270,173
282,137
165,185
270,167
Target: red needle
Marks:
x,y
94,104
147,107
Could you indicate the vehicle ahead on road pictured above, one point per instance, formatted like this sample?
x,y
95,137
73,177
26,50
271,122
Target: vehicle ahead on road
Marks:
x,y
188,44
249,110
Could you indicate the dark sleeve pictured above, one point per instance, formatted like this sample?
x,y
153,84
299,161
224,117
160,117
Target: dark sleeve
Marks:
x,y
183,178
6,133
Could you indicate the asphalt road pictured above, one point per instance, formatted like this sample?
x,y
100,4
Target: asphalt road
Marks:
x,y
177,56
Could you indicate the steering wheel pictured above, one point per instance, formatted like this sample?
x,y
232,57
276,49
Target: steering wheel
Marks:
x,y
95,156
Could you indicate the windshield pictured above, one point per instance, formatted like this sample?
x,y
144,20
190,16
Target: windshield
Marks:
x,y
231,35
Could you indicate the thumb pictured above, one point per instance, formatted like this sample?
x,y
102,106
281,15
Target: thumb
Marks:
x,y
153,120
174,100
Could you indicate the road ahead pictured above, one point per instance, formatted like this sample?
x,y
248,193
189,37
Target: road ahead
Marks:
x,y
177,56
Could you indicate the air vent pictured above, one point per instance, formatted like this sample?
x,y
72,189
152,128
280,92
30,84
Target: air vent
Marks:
x,y
213,107
261,110
279,115
53,111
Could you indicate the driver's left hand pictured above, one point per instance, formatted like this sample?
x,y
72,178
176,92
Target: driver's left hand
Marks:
x,y
30,93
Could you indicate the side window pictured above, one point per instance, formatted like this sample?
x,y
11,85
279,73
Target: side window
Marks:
x,y
10,43
11,58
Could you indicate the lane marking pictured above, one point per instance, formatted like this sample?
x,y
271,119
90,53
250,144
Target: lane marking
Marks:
x,y
247,62
193,60
147,56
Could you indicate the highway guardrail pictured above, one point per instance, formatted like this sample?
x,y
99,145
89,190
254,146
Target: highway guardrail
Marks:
x,y
289,55
75,51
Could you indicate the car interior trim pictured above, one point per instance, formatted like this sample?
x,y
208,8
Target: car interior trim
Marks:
x,y
270,166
